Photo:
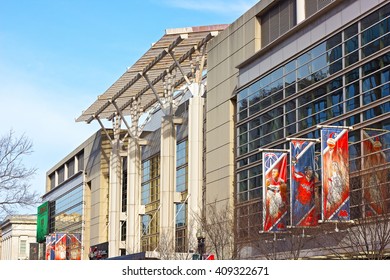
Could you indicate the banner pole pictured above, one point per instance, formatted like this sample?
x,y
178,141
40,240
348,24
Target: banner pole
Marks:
x,y
334,126
274,150
304,139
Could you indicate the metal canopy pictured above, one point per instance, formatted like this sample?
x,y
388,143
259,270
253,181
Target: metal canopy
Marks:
x,y
172,61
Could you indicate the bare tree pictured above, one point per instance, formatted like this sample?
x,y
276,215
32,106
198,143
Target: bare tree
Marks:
x,y
367,238
367,235
167,249
218,226
15,187
291,244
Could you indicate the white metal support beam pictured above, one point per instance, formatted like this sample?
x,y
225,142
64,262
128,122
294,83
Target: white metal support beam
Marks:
x,y
187,55
123,119
180,68
104,129
153,89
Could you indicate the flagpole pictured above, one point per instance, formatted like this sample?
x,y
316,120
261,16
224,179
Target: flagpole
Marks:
x,y
334,126
376,129
304,139
274,150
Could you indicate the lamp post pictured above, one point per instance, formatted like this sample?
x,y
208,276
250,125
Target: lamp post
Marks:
x,y
201,236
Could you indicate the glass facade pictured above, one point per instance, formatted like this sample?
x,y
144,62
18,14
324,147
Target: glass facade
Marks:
x,y
124,184
66,212
181,227
344,80
150,187
182,187
181,166
150,184
150,196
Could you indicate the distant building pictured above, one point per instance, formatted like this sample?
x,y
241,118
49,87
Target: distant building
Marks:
x,y
17,234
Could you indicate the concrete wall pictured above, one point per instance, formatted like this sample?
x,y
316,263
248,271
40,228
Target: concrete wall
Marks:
x,y
237,43
97,155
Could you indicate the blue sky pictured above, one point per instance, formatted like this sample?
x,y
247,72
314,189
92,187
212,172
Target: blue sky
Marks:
x,y
57,56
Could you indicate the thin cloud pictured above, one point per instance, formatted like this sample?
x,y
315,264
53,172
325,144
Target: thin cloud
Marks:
x,y
214,6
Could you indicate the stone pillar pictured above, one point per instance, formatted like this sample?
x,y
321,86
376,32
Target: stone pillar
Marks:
x,y
134,197
86,223
167,183
195,159
300,11
114,194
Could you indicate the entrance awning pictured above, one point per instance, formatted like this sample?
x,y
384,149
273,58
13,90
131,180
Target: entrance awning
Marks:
x,y
173,60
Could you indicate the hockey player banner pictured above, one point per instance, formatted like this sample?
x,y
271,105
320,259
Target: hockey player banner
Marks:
x,y
335,174
375,173
274,191
60,246
302,187
74,246
50,242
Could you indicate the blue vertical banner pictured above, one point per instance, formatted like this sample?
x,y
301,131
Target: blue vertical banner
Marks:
x,y
274,191
50,244
302,184
335,174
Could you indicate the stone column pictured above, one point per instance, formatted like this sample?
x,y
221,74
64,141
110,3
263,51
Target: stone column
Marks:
x,y
195,159
134,196
300,11
167,183
114,193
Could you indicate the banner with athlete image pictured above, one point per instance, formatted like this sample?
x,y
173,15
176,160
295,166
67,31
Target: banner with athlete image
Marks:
x,y
302,184
375,173
60,246
274,191
335,174
73,248
50,244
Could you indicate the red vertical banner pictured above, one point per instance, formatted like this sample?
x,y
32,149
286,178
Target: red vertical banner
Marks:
x,y
60,246
274,191
335,174
375,173
302,184
74,246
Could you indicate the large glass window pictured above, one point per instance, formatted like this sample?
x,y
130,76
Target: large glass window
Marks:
x,y
150,177
150,231
66,212
124,184
315,91
181,222
181,166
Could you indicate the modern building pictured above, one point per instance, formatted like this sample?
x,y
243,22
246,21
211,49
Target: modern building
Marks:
x,y
77,194
189,117
277,72
141,192
17,237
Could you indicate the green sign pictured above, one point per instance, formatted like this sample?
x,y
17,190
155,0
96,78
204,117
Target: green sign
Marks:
x,y
43,222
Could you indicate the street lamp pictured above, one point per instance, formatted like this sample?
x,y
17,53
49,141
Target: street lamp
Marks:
x,y
201,236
